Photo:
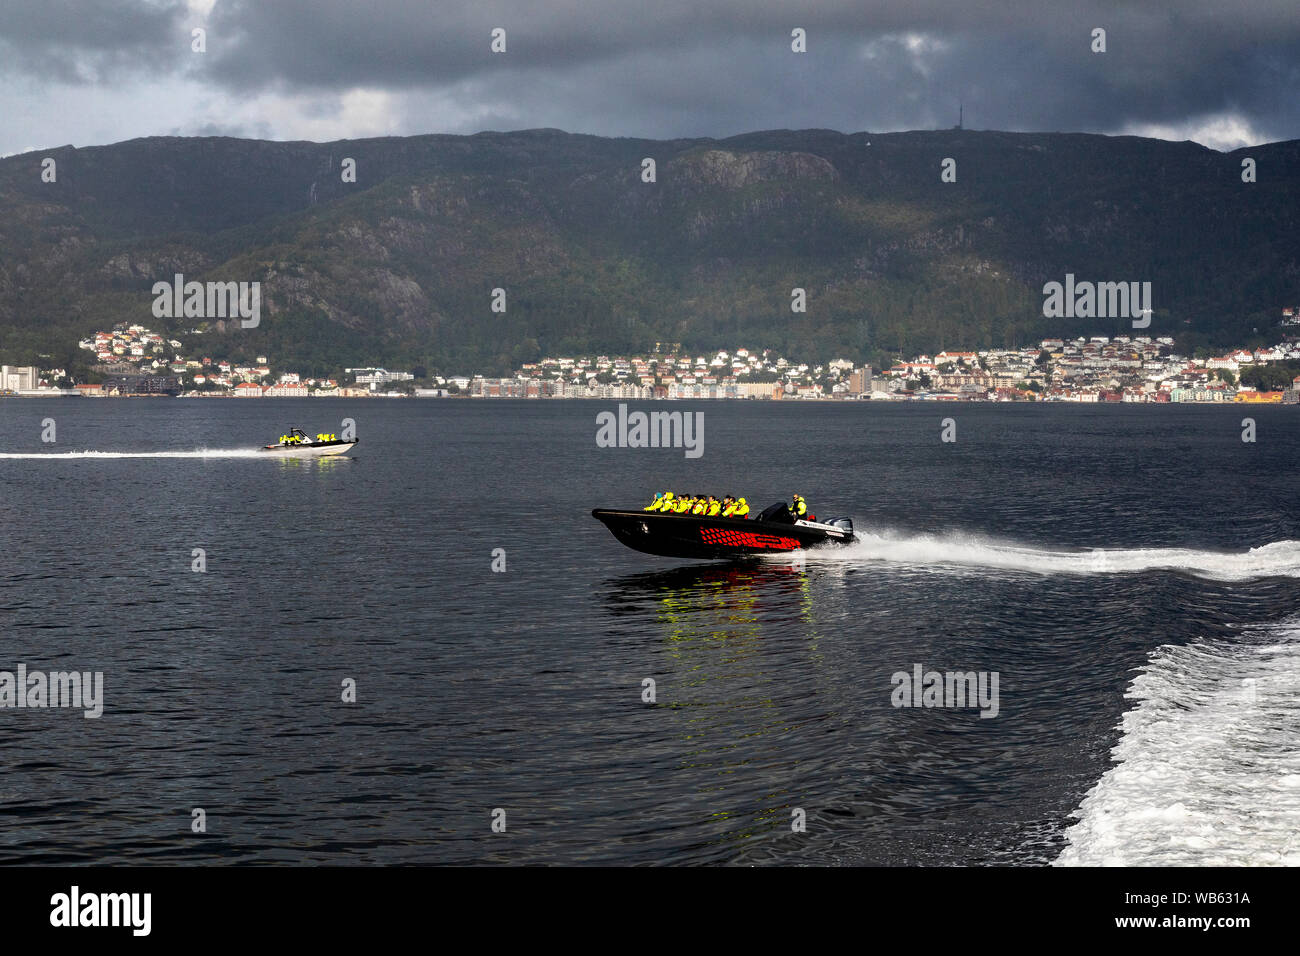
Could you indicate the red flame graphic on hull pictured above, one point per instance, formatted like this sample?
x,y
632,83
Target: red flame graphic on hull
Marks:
x,y
748,539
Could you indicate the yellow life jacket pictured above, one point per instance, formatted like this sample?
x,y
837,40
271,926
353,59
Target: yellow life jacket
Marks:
x,y
728,511
685,505
801,508
714,508
700,507
742,510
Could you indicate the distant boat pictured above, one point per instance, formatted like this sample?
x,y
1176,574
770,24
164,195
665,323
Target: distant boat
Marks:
x,y
297,445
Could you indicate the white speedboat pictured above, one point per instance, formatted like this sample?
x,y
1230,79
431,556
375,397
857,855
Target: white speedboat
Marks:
x,y
297,444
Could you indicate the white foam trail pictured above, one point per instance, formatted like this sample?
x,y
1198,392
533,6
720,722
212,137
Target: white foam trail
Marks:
x,y
200,453
958,551
1208,773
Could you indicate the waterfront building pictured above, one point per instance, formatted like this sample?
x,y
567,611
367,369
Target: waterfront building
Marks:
x,y
18,378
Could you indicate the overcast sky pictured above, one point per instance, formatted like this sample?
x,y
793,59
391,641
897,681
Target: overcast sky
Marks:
x,y
1225,73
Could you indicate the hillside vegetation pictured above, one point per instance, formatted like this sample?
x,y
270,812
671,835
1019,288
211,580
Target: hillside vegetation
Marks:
x,y
399,267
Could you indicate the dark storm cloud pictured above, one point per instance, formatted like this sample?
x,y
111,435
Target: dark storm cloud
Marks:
x,y
79,42
683,67
714,67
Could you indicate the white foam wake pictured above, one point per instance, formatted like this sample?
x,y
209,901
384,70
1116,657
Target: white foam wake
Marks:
x,y
1208,772
198,453
958,551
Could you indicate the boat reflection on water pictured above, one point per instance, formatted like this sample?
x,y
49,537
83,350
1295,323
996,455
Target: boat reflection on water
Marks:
x,y
304,464
716,601
741,666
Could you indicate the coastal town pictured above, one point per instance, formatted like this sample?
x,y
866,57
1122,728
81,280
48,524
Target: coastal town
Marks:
x,y
1097,369
132,360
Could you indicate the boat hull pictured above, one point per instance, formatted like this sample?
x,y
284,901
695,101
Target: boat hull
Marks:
x,y
692,536
320,450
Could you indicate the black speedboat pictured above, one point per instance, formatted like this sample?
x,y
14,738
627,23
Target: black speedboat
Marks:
x,y
695,536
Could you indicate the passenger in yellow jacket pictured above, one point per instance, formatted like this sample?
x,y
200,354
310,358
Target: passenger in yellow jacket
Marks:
x,y
742,509
701,506
715,507
683,504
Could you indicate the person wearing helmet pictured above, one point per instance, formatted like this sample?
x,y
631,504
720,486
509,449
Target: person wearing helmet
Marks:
x,y
800,508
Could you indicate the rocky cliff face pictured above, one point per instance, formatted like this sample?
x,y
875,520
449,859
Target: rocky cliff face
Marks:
x,y
725,169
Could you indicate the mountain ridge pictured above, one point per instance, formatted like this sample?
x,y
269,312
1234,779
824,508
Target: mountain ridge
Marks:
x,y
400,267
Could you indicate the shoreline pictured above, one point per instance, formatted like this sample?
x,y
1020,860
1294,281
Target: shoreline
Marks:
x,y
938,399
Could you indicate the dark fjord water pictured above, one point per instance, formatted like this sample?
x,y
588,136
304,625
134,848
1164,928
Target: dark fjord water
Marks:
x,y
1129,573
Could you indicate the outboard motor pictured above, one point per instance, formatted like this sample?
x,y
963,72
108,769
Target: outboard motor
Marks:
x,y
779,512
844,524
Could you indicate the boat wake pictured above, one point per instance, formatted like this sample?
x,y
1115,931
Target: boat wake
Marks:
x,y
965,551
1207,772
198,453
